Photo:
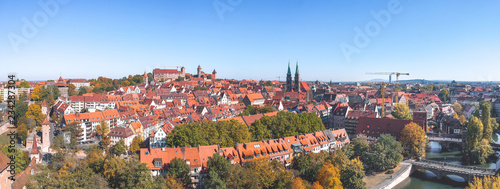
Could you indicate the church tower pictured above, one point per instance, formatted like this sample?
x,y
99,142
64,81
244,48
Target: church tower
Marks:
x,y
45,135
289,79
145,78
297,78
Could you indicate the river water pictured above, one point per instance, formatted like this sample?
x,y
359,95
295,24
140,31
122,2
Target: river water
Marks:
x,y
428,180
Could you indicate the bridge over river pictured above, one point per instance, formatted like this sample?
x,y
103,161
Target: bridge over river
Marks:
x,y
441,169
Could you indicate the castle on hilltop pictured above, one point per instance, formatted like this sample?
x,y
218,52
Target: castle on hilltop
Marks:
x,y
173,74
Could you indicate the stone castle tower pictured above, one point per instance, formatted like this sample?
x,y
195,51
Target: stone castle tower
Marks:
x,y
45,135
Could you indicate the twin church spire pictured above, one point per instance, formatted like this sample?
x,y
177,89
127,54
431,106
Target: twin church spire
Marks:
x,y
296,84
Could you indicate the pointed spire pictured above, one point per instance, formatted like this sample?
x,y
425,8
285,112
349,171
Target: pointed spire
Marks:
x,y
297,68
289,72
34,148
46,122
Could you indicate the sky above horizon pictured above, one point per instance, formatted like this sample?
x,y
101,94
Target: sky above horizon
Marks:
x,y
251,39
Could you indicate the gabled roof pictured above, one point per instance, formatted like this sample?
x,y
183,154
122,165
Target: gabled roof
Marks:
x,y
251,118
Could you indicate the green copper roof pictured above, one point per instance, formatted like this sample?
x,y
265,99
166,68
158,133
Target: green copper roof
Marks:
x,y
297,68
289,72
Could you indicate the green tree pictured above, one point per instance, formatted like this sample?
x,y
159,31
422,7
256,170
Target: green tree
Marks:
x,y
24,84
259,131
20,109
444,95
401,111
414,139
309,164
94,159
489,124
54,91
82,90
178,169
351,171
21,159
474,133
358,147
119,147
75,131
385,153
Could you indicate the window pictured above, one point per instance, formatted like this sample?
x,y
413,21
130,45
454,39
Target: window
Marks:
x,y
256,145
158,162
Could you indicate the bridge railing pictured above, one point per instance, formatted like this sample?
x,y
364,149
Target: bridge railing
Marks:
x,y
444,135
439,165
444,139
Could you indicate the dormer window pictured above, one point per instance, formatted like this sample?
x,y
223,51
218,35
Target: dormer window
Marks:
x,y
157,162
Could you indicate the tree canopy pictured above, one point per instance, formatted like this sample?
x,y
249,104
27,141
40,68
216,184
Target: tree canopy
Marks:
x,y
401,111
224,133
385,153
414,139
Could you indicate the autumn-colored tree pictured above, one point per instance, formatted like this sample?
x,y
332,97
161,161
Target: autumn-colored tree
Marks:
x,y
111,166
462,120
316,185
65,169
105,142
457,108
36,94
270,174
136,144
401,111
102,129
94,158
414,139
126,83
22,131
35,112
309,164
297,183
487,182
72,90
351,171
172,183
329,176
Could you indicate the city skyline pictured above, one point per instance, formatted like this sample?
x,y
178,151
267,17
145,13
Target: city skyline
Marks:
x,y
443,40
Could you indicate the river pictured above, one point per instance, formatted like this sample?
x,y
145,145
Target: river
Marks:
x,y
427,180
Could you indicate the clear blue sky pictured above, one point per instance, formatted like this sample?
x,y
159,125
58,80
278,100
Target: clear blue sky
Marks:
x,y
254,40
